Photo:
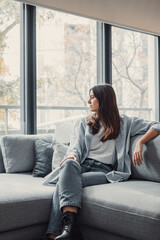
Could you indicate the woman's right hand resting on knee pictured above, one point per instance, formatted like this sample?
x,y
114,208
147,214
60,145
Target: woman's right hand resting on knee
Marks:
x,y
69,157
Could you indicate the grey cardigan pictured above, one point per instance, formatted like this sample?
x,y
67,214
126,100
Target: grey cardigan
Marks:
x,y
80,144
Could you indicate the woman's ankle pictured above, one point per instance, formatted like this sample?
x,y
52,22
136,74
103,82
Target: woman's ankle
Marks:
x,y
51,236
70,209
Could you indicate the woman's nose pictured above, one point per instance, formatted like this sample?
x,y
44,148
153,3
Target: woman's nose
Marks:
x,y
89,101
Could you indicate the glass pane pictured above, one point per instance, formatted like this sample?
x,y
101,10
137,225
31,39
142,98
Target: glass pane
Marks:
x,y
134,72
9,67
66,65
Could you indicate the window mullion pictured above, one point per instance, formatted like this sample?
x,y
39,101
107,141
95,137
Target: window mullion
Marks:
x,y
100,52
108,53
30,70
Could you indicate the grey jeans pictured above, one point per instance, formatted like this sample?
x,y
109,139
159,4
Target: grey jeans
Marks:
x,y
73,177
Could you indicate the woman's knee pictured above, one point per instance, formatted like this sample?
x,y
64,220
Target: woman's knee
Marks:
x,y
71,163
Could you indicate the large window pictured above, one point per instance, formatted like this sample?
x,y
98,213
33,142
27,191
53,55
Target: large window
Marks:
x,y
70,57
134,74
66,65
9,67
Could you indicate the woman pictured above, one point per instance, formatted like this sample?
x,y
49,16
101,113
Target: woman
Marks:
x,y
98,154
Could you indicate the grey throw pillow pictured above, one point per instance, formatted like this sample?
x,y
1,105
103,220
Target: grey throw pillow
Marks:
x,y
43,158
18,153
60,151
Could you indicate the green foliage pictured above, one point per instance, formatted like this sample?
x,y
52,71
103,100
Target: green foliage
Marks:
x,y
9,92
9,18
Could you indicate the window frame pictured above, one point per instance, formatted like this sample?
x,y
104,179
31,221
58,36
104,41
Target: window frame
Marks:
x,y
28,69
28,65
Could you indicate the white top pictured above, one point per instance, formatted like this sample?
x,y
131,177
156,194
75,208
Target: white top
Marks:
x,y
102,151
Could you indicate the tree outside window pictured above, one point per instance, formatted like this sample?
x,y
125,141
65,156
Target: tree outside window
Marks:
x,y
134,76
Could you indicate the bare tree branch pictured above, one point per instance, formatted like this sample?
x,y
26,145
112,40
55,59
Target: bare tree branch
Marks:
x,y
127,66
9,28
75,82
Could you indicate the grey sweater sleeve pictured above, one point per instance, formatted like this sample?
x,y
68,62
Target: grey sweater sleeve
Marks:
x,y
141,126
77,140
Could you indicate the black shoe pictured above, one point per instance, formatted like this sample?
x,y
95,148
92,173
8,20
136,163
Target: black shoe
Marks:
x,y
70,230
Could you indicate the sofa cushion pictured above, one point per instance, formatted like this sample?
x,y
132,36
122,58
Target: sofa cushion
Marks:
x,y
43,158
2,170
24,201
150,168
90,233
27,233
18,152
128,209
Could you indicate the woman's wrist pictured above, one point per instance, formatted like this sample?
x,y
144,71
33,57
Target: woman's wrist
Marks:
x,y
141,141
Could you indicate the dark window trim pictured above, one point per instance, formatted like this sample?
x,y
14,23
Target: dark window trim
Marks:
x,y
108,53
104,53
30,70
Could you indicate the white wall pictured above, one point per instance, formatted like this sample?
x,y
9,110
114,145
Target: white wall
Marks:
x,y
143,15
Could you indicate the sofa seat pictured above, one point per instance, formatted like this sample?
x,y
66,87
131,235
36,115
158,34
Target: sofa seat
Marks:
x,y
24,201
130,209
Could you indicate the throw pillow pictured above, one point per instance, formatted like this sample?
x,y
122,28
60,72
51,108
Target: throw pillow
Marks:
x,y
43,158
18,153
63,131
60,151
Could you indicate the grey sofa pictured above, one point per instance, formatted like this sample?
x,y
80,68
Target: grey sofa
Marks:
x,y
119,211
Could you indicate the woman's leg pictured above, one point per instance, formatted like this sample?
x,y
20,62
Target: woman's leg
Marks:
x,y
68,194
93,178
55,214
72,178
69,189
94,173
70,184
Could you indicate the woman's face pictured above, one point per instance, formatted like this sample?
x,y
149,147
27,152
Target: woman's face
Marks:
x,y
93,102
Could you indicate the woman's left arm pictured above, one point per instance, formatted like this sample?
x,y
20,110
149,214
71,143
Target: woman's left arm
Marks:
x,y
137,155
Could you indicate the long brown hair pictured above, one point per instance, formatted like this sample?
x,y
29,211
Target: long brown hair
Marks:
x,y
108,112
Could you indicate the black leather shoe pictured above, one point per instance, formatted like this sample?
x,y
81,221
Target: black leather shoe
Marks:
x,y
70,230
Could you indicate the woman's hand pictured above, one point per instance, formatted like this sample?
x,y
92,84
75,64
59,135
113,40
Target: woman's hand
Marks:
x,y
137,155
69,157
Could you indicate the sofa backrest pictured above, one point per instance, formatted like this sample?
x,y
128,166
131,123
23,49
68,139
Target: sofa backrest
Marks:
x,y
2,170
18,152
150,168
